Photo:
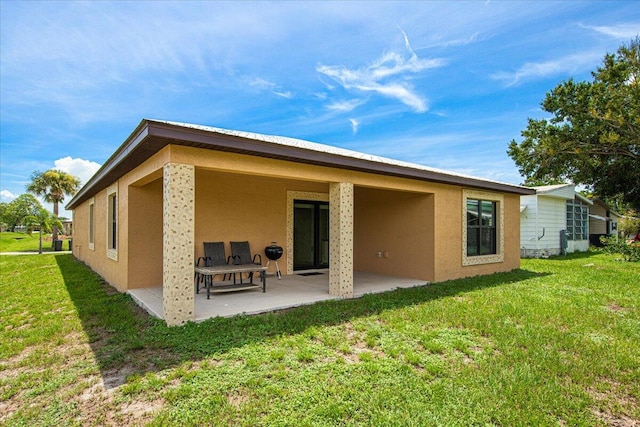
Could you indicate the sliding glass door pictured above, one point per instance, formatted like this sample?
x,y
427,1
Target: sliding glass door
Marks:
x,y
310,235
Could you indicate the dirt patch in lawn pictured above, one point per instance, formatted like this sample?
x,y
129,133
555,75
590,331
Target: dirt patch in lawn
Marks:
x,y
102,403
615,406
615,307
90,396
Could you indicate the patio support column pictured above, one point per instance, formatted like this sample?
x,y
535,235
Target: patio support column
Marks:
x,y
178,204
341,239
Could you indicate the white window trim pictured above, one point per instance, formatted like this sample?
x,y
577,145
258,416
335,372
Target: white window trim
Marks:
x,y
112,253
92,224
483,259
583,220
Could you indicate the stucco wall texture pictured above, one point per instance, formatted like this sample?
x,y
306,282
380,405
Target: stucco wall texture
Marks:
x,y
177,244
399,226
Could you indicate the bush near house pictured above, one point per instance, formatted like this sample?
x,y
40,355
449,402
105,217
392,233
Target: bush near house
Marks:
x,y
630,251
629,225
556,342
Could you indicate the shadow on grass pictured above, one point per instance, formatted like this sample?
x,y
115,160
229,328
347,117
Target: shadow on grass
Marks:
x,y
123,337
574,255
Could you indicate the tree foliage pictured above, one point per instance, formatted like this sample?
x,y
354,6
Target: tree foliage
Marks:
x,y
630,251
17,211
593,136
44,221
53,185
629,225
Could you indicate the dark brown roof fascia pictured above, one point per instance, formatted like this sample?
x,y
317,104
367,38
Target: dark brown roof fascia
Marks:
x,y
221,142
105,176
150,136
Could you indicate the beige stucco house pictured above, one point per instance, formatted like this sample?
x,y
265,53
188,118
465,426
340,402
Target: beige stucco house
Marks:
x,y
141,220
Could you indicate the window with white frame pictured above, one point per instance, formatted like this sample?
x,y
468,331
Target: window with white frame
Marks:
x,y
112,223
91,226
577,220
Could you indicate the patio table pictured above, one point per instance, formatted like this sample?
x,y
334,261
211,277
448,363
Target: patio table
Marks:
x,y
209,272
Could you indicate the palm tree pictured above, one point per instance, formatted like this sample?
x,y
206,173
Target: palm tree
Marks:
x,y
53,185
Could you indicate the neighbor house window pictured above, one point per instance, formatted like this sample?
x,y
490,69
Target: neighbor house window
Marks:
x,y
112,223
482,227
91,226
577,220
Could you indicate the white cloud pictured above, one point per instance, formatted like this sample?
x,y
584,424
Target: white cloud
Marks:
x,y
440,42
265,85
7,195
345,105
620,31
262,84
354,125
83,169
387,76
535,70
286,95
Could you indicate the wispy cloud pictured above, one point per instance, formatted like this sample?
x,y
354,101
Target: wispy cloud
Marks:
x,y
354,125
286,95
345,106
265,85
386,76
537,70
439,41
620,31
260,83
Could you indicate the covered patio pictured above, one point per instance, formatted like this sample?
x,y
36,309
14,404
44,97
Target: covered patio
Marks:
x,y
384,232
292,291
170,187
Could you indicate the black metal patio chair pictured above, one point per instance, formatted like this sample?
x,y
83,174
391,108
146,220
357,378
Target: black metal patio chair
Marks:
x,y
241,254
214,255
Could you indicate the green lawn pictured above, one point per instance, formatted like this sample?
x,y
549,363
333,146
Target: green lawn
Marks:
x,y
23,242
555,343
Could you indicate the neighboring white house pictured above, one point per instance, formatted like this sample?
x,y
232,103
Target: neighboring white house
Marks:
x,y
554,221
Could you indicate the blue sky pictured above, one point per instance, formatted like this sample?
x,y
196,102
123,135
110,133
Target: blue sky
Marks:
x,y
444,84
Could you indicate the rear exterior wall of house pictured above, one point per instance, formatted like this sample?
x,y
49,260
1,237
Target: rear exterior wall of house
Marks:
x,y
416,226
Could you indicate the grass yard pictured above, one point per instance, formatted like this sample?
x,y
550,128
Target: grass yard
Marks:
x,y
554,343
23,242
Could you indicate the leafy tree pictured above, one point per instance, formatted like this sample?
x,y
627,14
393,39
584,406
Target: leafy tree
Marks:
x,y
15,212
629,225
44,221
3,213
593,137
630,251
53,185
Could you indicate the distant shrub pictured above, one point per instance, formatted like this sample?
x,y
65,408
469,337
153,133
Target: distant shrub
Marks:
x,y
629,251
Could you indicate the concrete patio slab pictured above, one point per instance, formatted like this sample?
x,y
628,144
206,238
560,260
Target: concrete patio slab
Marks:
x,y
292,291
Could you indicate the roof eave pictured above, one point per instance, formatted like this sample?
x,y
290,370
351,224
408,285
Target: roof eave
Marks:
x,y
133,140
162,134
